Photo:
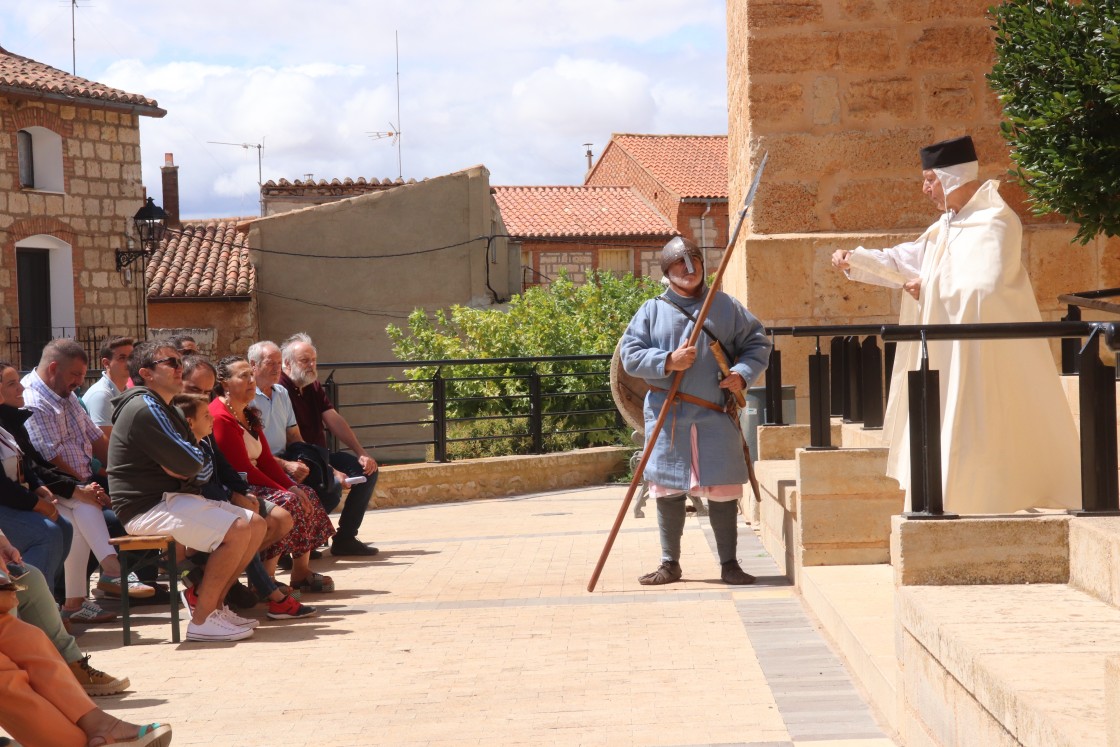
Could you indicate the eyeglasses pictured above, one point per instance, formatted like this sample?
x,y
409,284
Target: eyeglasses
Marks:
x,y
174,361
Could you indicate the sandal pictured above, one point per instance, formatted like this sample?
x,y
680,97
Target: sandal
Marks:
x,y
150,735
282,588
316,583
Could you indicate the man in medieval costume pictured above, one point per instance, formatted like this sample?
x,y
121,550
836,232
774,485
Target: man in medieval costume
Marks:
x,y
1008,440
699,451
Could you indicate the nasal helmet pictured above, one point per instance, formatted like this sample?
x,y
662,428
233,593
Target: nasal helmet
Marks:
x,y
680,248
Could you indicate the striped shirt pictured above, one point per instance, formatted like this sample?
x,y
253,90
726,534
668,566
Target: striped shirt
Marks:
x,y
59,427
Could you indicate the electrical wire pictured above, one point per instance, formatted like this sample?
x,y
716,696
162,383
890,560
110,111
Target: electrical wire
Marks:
x,y
367,312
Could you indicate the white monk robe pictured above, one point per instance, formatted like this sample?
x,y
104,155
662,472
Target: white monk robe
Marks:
x,y
1008,440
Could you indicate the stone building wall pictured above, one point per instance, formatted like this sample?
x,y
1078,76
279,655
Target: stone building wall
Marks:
x,y
101,192
543,259
842,94
233,324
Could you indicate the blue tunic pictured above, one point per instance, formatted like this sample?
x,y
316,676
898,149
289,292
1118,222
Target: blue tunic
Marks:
x,y
654,333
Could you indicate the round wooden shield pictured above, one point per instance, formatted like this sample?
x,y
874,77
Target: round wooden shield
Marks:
x,y
629,393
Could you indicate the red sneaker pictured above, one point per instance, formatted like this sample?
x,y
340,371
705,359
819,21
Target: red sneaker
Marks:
x,y
190,599
289,609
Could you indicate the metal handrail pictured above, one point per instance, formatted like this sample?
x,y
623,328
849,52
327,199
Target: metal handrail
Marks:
x,y
856,381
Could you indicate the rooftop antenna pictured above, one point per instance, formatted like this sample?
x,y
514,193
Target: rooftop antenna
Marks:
x,y
588,154
394,130
260,147
73,37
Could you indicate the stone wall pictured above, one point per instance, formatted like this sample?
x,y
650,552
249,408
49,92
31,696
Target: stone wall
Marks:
x,y
546,259
842,95
232,323
101,192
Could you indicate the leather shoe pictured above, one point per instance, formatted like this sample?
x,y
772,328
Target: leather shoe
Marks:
x,y
352,546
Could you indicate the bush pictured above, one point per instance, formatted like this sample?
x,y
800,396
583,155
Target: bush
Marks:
x,y
1058,77
557,320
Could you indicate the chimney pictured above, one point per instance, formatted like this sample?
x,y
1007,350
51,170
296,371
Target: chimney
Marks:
x,y
170,173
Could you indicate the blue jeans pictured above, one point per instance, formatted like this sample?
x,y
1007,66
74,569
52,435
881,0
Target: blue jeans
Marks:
x,y
356,503
42,543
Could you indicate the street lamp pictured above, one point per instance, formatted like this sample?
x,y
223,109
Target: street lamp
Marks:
x,y
150,222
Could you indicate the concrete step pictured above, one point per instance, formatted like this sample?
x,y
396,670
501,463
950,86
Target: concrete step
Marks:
x,y
855,606
1094,557
1005,665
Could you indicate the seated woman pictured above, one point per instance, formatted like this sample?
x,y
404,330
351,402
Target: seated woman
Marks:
x,y
228,485
37,607
238,434
80,505
43,703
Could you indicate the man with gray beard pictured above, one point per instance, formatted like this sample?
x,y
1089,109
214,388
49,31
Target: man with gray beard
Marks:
x,y
315,414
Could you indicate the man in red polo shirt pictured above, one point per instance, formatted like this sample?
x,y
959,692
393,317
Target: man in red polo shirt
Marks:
x,y
314,415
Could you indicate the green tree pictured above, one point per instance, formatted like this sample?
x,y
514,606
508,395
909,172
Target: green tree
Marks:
x,y
1058,77
560,319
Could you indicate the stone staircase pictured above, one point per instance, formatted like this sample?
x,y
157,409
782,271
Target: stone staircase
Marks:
x,y
980,631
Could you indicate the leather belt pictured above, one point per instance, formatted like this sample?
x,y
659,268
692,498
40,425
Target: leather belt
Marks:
x,y
691,400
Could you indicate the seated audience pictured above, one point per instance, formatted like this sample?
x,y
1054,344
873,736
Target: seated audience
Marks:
x,y
98,399
42,703
156,474
238,434
229,485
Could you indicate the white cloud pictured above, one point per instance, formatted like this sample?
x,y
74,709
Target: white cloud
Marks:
x,y
517,86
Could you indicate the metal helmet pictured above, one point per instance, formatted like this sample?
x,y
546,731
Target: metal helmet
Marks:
x,y
680,248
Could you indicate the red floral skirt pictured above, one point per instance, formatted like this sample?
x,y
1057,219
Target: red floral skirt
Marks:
x,y
311,528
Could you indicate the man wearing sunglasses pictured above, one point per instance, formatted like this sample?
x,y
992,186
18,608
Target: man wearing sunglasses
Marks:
x,y
156,474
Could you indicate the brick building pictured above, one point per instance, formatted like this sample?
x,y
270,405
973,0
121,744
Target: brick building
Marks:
x,y
69,186
579,229
683,176
200,281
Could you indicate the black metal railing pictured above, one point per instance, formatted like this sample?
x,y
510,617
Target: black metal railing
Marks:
x,y
858,383
25,344
538,403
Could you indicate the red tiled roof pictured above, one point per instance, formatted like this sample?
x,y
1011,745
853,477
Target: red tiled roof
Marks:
x,y
24,76
692,166
578,211
333,187
202,259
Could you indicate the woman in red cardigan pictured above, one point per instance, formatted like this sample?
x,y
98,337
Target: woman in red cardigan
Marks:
x,y
238,433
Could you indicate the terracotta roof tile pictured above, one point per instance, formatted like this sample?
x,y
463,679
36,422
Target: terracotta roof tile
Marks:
x,y
578,211
22,75
202,259
692,166
347,186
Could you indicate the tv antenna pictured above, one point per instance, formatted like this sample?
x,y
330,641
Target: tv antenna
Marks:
x,y
260,148
394,130
73,37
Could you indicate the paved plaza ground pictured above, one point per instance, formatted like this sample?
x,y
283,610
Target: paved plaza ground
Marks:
x,y
473,627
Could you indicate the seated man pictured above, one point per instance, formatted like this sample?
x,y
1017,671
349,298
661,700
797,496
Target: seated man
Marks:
x,y
98,399
59,427
313,414
155,476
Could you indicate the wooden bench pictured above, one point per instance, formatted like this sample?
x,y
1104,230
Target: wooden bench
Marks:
x,y
166,547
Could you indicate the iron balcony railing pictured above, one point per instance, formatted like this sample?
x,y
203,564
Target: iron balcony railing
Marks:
x,y
538,403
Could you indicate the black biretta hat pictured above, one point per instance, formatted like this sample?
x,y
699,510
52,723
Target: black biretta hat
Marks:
x,y
948,153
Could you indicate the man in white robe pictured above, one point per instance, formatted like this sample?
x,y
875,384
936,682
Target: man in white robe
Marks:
x,y
1008,440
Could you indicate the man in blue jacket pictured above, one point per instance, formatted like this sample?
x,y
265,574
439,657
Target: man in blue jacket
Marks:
x,y
699,451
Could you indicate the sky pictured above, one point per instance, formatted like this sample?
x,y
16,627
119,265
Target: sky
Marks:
x,y
516,85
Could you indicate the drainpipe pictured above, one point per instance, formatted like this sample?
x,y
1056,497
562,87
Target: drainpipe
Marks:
x,y
703,238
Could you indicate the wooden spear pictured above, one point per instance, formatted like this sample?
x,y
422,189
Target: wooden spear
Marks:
x,y
651,437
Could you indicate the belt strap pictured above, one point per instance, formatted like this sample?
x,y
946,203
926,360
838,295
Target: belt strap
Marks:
x,y
691,400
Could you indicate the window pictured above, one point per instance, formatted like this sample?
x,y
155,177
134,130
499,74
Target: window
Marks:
x,y
26,159
615,261
40,159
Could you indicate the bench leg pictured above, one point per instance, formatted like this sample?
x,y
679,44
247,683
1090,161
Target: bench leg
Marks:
x,y
173,587
123,558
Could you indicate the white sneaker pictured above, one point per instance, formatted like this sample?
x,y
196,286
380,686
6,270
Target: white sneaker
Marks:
x,y
238,620
217,628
